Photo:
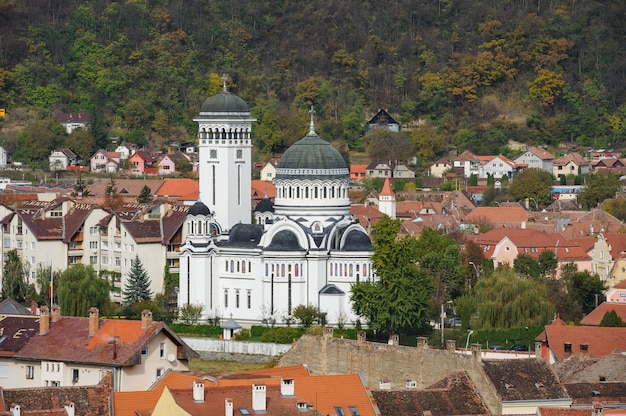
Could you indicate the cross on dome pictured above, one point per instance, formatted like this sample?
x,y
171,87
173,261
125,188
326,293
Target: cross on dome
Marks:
x,y
312,125
224,79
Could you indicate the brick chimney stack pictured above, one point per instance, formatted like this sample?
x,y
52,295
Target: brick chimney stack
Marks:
x,y
44,320
146,319
93,321
56,313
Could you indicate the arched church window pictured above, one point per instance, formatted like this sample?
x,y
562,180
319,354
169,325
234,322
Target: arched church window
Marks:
x,y
239,154
345,270
325,190
213,154
290,192
199,225
282,270
306,192
190,227
226,264
298,192
357,268
232,266
340,269
267,269
332,192
315,193
364,269
331,270
336,270
238,266
249,267
297,270
351,274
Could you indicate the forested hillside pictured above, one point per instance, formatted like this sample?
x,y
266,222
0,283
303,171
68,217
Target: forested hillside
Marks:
x,y
470,73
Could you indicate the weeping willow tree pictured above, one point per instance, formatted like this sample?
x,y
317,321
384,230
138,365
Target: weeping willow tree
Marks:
x,y
81,289
505,300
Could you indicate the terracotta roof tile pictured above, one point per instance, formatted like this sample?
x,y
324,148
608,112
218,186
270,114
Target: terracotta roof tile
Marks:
x,y
601,341
497,215
179,188
595,316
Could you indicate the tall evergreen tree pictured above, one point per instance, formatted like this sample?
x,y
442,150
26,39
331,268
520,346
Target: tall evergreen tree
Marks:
x,y
13,282
145,196
137,287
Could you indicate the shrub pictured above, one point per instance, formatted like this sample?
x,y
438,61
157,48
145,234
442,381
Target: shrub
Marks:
x,y
243,335
283,335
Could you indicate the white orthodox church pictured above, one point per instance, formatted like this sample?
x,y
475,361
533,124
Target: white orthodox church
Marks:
x,y
303,249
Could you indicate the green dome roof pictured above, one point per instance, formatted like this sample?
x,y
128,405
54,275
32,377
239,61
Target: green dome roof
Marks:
x,y
224,102
312,158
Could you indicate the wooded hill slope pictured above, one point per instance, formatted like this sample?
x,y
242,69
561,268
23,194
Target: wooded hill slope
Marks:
x,y
470,73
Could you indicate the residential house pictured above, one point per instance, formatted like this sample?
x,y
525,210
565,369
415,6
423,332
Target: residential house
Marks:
x,y
268,173
379,170
168,164
140,162
496,166
503,245
614,166
137,353
617,294
585,369
467,164
570,164
608,249
60,159
454,395
458,204
125,150
59,401
413,209
439,168
536,157
105,162
182,190
358,172
73,121
402,171
560,340
524,385
280,391
599,154
382,119
260,190
367,215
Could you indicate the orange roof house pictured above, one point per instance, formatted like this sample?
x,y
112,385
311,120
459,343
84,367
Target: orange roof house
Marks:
x,y
357,172
179,189
595,316
560,340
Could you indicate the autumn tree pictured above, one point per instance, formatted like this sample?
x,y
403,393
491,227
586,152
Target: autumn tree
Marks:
x,y
385,145
14,284
598,187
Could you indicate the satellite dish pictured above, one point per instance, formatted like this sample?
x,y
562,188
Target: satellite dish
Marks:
x,y
171,358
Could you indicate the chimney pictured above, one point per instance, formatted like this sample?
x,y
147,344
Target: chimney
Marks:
x,y
394,339
33,307
450,345
69,408
476,349
146,319
228,407
422,343
198,392
328,332
93,321
15,409
56,313
287,387
538,347
361,336
44,320
259,398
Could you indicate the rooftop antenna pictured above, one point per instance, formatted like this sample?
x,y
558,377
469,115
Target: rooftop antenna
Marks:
x,y
312,125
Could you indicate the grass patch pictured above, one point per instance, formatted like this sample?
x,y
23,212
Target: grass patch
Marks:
x,y
223,366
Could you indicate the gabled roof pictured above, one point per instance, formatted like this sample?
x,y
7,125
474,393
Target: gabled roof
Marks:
x,y
130,187
142,155
524,379
466,155
65,118
582,368
497,215
617,243
358,168
16,331
261,188
601,341
184,189
597,391
574,158
541,153
379,166
454,395
68,340
382,117
595,316
11,307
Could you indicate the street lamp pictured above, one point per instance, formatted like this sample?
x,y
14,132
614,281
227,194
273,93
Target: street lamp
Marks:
x,y
443,314
469,334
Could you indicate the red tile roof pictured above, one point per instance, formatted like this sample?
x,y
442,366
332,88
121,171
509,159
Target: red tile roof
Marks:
x,y
497,215
595,316
386,191
184,189
601,341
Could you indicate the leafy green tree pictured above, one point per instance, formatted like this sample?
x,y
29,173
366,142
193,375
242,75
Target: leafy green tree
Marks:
x,y
14,278
585,291
81,289
548,264
82,143
385,145
531,183
306,315
400,299
190,314
616,207
137,287
504,300
598,188
526,266
145,195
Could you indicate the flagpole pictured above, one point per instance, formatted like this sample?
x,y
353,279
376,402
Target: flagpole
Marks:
x,y
51,287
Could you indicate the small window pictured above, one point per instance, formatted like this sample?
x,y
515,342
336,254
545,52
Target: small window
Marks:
x,y
339,411
75,375
353,411
30,372
162,350
159,372
144,350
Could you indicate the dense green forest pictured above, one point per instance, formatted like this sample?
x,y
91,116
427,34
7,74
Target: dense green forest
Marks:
x,y
467,73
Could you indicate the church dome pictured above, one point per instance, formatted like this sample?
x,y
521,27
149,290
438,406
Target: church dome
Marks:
x,y
357,241
284,240
312,158
199,208
224,102
265,205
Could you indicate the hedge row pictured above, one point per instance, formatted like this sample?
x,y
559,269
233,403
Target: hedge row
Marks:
x,y
196,330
